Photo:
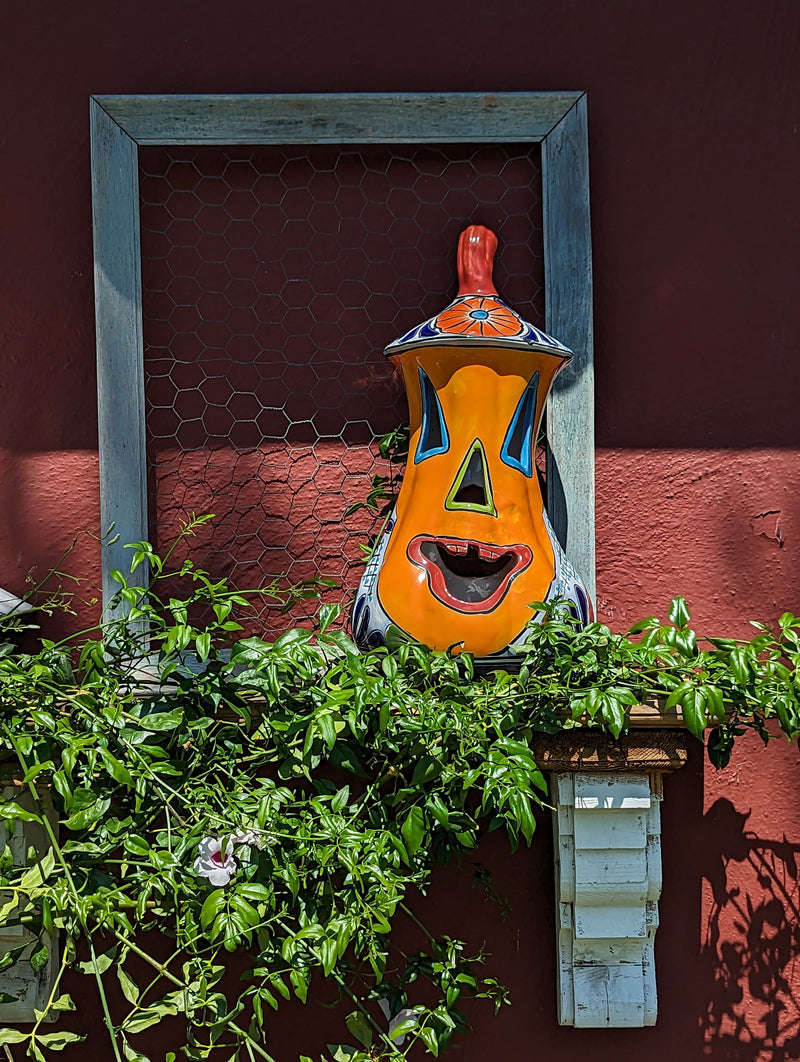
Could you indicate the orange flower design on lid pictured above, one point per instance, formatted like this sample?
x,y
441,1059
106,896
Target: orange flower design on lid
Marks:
x,y
478,315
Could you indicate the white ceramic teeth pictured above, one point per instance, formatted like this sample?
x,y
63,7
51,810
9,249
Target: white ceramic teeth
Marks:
x,y
456,548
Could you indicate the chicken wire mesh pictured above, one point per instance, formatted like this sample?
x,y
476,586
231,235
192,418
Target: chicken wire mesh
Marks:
x,y
272,280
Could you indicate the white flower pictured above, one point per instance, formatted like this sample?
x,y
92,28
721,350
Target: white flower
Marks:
x,y
255,838
214,864
406,1014
245,837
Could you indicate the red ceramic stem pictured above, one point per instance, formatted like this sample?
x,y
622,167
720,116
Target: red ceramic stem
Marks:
x,y
476,247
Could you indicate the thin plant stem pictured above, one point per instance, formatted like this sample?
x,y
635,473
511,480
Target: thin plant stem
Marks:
x,y
51,997
112,1032
70,881
162,969
383,1035
417,922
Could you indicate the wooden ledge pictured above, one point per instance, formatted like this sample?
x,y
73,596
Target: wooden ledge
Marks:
x,y
655,714
582,749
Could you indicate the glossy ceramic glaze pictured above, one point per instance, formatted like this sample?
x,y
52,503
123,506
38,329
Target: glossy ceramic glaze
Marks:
x,y
469,547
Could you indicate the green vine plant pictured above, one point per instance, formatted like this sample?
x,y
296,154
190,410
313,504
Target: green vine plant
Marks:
x,y
45,596
289,801
384,487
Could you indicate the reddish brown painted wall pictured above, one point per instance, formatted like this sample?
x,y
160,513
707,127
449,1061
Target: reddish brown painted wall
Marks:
x,y
694,154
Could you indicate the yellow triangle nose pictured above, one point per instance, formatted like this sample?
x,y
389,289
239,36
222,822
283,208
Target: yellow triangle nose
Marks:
x,y
472,488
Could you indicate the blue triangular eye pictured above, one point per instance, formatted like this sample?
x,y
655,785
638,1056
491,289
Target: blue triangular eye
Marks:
x,y
433,437
518,444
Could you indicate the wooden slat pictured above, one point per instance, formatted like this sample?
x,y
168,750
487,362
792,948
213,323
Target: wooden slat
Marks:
x,y
592,750
120,357
386,118
568,307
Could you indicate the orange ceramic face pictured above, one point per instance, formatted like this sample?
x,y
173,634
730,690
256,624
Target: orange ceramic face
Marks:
x,y
469,551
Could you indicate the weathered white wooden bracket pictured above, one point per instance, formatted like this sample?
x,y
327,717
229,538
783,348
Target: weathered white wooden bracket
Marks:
x,y
608,882
607,833
29,988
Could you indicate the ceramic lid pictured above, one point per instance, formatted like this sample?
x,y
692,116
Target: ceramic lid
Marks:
x,y
478,316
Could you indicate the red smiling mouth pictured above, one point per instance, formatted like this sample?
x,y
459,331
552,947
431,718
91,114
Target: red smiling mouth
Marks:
x,y
466,575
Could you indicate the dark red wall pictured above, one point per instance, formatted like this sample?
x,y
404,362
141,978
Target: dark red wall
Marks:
x,y
693,111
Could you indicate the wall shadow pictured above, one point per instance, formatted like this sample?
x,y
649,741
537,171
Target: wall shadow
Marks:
x,y
751,946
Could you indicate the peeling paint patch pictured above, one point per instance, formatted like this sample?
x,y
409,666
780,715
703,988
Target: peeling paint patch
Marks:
x,y
768,524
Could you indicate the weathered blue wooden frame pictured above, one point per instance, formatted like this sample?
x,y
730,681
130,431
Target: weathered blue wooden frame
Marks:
x,y
556,120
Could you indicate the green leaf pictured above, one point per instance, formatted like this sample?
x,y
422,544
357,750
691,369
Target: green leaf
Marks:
x,y
413,829
57,1041
427,767
686,641
129,987
694,713
118,771
159,721
328,954
328,614
203,645
299,982
383,716
591,703
145,1019
677,695
720,746
294,637
247,915
613,714
214,903
430,1040
38,873
102,962
132,1055
359,1027
13,1036
10,811
64,1002
739,665
346,1053
135,844
339,639
403,1028
88,816
714,700
679,612
787,716
39,958
389,667
437,808
254,891
327,728
10,957
521,807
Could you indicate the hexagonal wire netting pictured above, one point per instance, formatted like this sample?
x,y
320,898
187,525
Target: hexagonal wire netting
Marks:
x,y
273,278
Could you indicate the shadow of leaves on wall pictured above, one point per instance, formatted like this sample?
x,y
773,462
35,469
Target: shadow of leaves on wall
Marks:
x,y
751,945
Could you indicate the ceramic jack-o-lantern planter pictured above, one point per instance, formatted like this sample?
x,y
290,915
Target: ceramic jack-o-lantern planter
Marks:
x,y
469,546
